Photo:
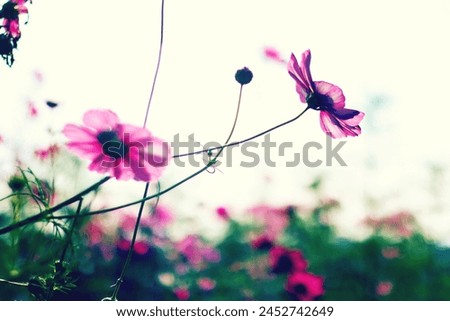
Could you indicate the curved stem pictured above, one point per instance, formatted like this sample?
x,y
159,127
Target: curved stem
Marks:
x,y
14,283
245,140
147,185
158,63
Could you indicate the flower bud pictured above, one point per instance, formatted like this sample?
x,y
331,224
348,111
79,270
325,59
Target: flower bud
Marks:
x,y
243,76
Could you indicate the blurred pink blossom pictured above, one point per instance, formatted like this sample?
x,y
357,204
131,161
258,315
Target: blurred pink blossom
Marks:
x,y
273,54
222,212
335,120
284,260
206,284
182,293
390,252
273,219
305,286
384,288
46,153
196,251
400,224
32,109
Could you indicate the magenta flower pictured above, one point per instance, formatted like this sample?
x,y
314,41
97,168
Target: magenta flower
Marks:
x,y
182,293
284,260
121,150
305,286
335,120
10,13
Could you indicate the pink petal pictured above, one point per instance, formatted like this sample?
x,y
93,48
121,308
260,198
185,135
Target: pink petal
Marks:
x,y
295,72
101,119
350,116
133,135
338,128
332,91
301,73
86,150
80,133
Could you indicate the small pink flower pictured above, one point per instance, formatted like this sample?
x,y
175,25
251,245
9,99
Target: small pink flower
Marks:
x,y
384,288
305,286
284,260
206,284
222,212
121,150
273,54
335,120
262,242
32,109
182,293
46,153
196,252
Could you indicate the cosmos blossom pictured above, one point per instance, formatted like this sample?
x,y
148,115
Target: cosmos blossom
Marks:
x,y
305,286
121,150
10,13
284,260
335,120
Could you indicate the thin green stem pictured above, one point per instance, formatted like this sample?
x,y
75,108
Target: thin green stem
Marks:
x,y
41,215
14,283
147,185
72,228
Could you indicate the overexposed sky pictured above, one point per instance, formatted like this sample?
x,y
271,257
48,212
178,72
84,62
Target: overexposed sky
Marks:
x,y
103,53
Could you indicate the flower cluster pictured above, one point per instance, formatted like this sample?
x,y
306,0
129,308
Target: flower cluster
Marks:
x,y
10,28
401,224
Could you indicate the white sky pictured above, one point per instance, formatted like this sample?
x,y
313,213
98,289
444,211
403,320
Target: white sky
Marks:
x,y
103,53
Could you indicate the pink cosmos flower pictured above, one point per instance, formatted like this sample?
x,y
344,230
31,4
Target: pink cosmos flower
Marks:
x,y
284,260
121,150
335,120
10,13
305,286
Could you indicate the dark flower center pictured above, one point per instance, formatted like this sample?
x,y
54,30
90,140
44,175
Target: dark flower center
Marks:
x,y
9,11
300,289
319,102
112,146
284,264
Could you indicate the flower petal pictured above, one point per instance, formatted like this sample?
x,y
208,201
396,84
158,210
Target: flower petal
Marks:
x,y
101,119
304,87
334,92
339,128
79,133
